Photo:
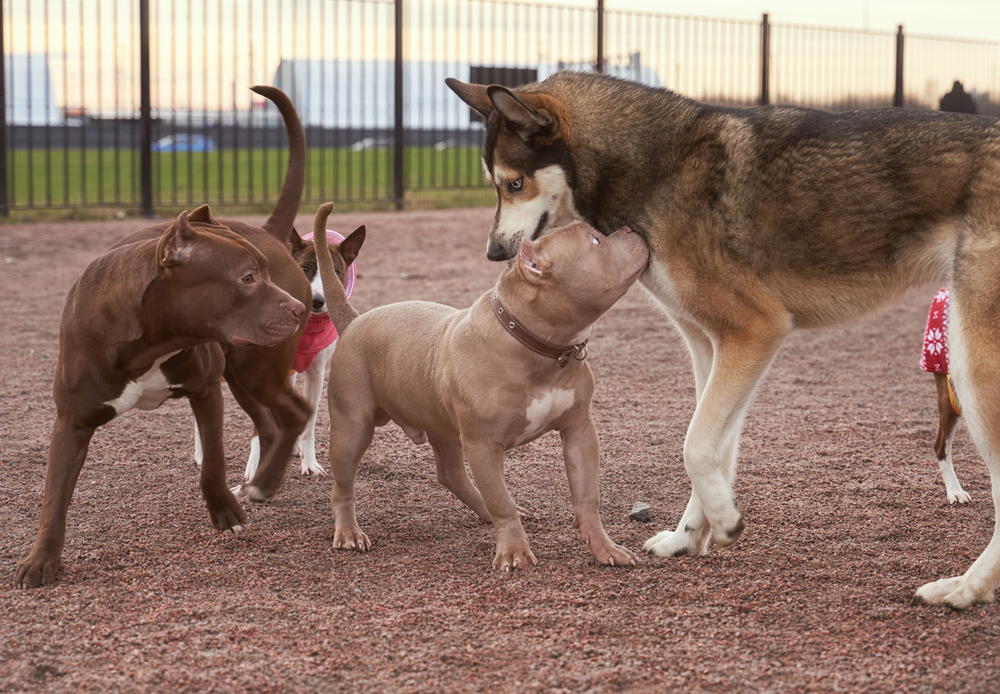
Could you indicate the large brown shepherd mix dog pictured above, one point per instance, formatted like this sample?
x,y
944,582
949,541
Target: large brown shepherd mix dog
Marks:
x,y
759,221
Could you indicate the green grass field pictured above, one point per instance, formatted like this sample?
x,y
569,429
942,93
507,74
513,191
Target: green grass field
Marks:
x,y
93,178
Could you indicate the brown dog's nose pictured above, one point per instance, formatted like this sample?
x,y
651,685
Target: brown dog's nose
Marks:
x,y
296,307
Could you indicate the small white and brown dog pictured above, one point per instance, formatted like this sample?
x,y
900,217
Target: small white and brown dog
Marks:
x,y
319,339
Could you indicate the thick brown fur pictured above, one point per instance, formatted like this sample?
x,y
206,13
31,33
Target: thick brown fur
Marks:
x,y
759,221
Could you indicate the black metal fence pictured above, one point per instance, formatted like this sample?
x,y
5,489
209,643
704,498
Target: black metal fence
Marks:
x,y
144,104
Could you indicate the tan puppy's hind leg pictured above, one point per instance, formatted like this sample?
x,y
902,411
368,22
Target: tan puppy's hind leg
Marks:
x,y
451,473
350,436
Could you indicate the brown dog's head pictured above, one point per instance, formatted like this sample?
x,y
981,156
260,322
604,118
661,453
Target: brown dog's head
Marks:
x,y
213,281
577,273
527,158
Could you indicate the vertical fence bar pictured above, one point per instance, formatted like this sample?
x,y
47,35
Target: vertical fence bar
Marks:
x,y
4,202
398,96
145,114
765,62
599,64
897,99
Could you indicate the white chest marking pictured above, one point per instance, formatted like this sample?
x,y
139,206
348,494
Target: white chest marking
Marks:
x,y
146,392
546,408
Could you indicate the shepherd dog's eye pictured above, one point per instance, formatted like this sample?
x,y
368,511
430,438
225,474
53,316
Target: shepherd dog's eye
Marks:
x,y
516,186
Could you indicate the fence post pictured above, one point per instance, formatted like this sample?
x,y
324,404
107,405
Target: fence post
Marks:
x,y
897,99
765,62
599,64
145,116
398,173
4,202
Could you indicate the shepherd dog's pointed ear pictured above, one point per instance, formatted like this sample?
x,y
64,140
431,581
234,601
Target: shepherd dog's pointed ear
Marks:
x,y
536,118
472,94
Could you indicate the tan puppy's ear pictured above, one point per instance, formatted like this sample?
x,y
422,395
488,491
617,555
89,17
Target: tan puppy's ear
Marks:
x,y
472,94
175,245
532,262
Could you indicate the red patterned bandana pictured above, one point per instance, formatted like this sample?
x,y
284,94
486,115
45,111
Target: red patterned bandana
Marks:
x,y
934,358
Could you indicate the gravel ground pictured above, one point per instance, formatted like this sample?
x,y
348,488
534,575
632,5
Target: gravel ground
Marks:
x,y
846,516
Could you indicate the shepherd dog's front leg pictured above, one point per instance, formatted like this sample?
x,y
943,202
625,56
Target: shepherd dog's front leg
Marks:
x,y
712,441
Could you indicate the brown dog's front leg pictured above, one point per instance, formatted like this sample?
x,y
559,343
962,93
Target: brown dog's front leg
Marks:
x,y
513,550
67,452
582,454
224,509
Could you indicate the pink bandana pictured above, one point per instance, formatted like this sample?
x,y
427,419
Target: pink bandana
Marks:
x,y
934,358
320,332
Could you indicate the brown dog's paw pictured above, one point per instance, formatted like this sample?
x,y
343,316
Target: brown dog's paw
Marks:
x,y
33,573
227,515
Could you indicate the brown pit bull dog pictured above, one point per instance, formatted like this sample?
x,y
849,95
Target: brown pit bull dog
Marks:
x,y
134,333
477,382
142,324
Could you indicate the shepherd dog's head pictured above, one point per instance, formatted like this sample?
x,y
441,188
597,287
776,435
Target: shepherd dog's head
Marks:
x,y
527,158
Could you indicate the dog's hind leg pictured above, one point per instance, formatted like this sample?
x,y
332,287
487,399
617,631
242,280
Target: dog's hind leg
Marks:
x,y
67,453
947,422
451,473
712,441
352,427
974,346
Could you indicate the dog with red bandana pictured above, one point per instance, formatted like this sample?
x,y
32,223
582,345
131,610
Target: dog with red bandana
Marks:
x,y
319,338
934,359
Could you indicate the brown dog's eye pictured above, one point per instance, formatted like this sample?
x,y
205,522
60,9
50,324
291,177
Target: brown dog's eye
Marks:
x,y
516,186
247,279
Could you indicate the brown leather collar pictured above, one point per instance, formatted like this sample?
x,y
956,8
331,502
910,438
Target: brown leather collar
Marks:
x,y
562,355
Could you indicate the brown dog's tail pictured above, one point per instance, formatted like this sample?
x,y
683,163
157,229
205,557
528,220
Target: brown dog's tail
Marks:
x,y
282,218
340,310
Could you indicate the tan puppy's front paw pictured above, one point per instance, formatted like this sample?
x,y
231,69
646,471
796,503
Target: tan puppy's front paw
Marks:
x,y
614,555
513,557
354,538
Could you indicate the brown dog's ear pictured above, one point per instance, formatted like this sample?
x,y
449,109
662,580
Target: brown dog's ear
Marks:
x,y
351,246
175,245
202,214
472,94
531,116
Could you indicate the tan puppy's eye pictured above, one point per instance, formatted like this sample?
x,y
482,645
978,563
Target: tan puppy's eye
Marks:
x,y
594,240
516,186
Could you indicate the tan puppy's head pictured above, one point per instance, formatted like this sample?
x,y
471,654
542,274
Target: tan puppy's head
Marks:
x,y
579,273
527,158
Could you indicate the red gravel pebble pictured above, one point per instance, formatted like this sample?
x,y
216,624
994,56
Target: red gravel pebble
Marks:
x,y
846,516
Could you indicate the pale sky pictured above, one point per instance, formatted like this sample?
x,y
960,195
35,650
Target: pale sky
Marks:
x,y
970,19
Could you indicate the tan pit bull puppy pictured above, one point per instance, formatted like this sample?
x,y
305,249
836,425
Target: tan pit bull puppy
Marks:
x,y
475,383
